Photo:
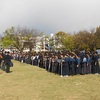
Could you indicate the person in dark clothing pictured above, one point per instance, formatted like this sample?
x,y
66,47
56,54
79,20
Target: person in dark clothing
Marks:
x,y
67,58
0,59
7,61
72,64
84,65
2,62
78,67
96,63
88,69
56,65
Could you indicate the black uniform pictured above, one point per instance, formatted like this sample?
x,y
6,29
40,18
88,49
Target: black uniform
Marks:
x,y
7,61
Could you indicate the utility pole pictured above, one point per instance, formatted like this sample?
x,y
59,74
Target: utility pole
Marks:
x,y
44,42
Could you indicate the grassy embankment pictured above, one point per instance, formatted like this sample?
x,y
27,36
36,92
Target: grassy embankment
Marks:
x,y
26,82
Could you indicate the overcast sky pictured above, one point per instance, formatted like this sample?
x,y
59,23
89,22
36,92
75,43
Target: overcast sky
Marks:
x,y
50,16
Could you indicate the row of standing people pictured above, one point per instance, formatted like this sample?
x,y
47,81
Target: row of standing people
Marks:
x,y
64,64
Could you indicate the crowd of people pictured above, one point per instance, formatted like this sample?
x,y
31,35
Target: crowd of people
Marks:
x,y
65,63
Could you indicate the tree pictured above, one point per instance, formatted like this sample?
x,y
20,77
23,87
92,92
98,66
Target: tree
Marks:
x,y
59,38
7,39
85,40
20,38
29,37
68,42
65,40
97,34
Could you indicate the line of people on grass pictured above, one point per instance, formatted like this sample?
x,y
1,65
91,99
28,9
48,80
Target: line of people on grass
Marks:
x,y
63,63
5,61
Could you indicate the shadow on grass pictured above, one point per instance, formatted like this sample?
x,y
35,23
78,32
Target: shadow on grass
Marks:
x,y
1,72
9,72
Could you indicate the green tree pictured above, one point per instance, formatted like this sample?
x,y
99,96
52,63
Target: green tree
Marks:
x,y
59,38
20,38
66,40
7,39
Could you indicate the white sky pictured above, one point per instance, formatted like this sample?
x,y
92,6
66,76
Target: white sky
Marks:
x,y
50,16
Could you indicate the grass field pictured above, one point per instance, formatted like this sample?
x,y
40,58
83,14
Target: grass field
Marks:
x,y
26,82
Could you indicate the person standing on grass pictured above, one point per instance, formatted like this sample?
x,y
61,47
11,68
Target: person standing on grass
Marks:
x,y
7,61
67,59
78,67
84,66
72,64
2,62
88,68
96,63
0,59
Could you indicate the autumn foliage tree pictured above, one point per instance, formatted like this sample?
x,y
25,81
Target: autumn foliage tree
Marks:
x,y
97,35
85,40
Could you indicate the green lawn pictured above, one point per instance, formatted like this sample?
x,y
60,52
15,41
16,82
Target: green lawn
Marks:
x,y
27,82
